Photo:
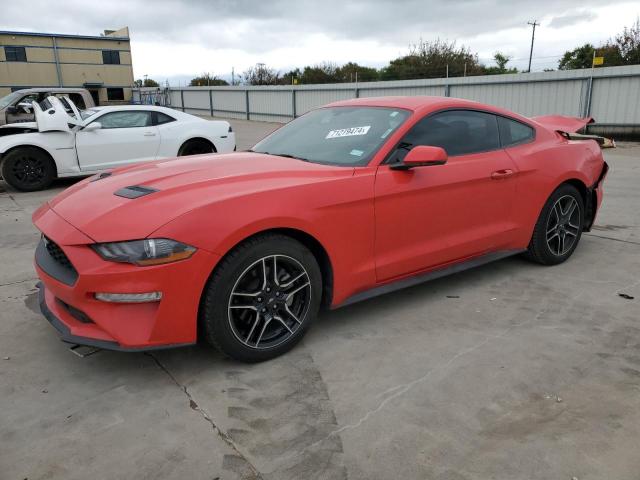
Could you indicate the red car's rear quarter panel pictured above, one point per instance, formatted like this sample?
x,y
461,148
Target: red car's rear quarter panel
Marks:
x,y
545,164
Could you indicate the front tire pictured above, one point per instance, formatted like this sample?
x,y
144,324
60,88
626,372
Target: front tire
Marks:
x,y
559,227
28,169
262,298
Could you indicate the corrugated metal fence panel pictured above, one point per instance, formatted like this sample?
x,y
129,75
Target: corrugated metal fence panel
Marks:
x,y
176,102
534,98
616,100
309,99
229,103
271,105
196,102
394,91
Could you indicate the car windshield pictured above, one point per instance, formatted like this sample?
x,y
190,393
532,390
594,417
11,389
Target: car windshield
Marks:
x,y
87,113
347,136
9,99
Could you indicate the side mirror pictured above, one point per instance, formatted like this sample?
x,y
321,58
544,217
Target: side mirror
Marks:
x,y
422,156
93,126
12,110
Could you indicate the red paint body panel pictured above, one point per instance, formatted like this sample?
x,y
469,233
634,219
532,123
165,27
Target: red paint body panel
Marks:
x,y
375,224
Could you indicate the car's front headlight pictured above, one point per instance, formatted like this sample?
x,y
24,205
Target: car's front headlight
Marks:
x,y
151,251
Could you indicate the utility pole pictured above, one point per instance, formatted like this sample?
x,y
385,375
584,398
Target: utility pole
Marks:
x,y
233,76
534,24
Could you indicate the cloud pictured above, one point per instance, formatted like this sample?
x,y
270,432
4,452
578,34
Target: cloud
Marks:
x,y
571,19
172,37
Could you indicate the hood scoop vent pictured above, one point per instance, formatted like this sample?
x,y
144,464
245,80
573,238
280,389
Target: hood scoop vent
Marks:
x,y
134,191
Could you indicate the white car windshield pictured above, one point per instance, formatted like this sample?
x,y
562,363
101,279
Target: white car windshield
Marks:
x,y
9,99
87,113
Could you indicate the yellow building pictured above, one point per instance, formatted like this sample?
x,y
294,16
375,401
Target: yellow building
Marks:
x,y
101,64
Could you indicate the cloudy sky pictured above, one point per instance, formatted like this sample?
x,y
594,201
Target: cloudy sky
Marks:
x,y
176,39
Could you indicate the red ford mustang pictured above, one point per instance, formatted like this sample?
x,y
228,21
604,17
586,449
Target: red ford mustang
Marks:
x,y
351,200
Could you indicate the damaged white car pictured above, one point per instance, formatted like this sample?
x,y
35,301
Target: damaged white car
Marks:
x,y
66,142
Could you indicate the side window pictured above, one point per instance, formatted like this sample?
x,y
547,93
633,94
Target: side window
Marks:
x,y
458,132
163,118
513,132
128,119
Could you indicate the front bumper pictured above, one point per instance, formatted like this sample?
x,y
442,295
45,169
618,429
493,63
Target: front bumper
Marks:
x,y
69,304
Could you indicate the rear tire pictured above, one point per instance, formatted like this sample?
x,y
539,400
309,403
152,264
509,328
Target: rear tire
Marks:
x,y
261,299
559,227
196,146
28,169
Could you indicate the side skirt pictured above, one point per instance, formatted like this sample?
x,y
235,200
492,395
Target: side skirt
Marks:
x,y
430,275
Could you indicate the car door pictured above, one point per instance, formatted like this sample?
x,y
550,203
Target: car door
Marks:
x,y
433,215
123,137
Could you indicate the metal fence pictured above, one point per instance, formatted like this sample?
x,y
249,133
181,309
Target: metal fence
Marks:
x,y
611,95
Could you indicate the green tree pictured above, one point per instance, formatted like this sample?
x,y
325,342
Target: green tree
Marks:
x,y
326,72
433,59
628,44
147,82
260,74
207,80
501,65
582,57
288,78
348,71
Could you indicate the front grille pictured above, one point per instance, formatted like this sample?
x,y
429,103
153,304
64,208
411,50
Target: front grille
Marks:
x,y
57,254
52,259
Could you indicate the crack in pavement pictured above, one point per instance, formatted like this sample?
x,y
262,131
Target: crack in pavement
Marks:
x,y
18,281
194,406
612,238
401,389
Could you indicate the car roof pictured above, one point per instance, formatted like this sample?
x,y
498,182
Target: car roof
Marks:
x,y
52,89
424,104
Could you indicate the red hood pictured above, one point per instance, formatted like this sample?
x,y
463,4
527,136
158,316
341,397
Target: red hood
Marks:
x,y
183,184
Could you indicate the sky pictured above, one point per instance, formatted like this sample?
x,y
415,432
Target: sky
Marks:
x,y
175,40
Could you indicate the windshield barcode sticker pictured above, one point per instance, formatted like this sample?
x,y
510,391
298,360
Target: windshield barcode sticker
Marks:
x,y
348,132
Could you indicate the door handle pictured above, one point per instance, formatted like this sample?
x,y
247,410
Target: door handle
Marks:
x,y
501,174
149,134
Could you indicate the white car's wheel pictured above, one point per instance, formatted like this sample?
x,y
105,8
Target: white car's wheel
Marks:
x,y
28,169
196,146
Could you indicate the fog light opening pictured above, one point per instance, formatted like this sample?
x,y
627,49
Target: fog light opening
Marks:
x,y
129,297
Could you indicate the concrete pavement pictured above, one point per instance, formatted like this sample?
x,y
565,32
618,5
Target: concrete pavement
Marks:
x,y
508,371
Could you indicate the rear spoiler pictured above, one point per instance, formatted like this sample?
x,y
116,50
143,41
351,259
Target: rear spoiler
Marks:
x,y
602,141
568,126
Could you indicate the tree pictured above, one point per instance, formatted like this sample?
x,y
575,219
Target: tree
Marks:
x,y
288,78
582,57
348,71
326,72
433,59
628,44
207,80
260,74
147,82
501,65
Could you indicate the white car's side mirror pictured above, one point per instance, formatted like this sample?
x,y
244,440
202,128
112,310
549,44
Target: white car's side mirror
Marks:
x,y
93,126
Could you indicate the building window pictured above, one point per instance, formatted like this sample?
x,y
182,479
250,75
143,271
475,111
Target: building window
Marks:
x,y
15,54
111,57
115,94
